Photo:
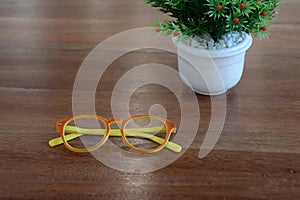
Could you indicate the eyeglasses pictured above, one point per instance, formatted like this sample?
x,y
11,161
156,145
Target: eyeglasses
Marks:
x,y
143,133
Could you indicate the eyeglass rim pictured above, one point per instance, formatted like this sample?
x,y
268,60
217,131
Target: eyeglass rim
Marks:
x,y
158,148
61,124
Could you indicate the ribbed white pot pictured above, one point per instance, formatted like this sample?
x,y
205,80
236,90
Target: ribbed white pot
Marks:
x,y
211,72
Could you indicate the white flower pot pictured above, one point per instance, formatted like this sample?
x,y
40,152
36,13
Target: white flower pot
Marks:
x,y
211,72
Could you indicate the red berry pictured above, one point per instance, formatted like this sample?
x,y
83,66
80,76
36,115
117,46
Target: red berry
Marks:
x,y
257,0
157,30
264,28
242,5
236,20
219,7
263,14
176,33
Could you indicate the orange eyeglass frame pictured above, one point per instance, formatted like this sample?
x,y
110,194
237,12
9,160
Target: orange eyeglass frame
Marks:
x,y
170,127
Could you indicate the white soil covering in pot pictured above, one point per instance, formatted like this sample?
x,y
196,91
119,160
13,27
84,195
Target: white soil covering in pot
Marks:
x,y
207,42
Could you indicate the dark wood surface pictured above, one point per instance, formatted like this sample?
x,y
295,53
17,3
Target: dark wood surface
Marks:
x,y
42,45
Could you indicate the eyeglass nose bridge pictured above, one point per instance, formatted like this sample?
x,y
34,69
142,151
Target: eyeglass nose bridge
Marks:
x,y
115,120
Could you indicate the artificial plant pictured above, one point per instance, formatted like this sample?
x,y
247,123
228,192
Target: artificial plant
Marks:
x,y
216,17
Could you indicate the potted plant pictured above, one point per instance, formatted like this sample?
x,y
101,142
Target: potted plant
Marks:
x,y
212,37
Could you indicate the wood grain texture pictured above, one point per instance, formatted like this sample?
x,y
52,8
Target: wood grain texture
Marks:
x,y
42,45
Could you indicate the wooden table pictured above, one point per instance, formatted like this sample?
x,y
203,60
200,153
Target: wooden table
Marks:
x,y
42,45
